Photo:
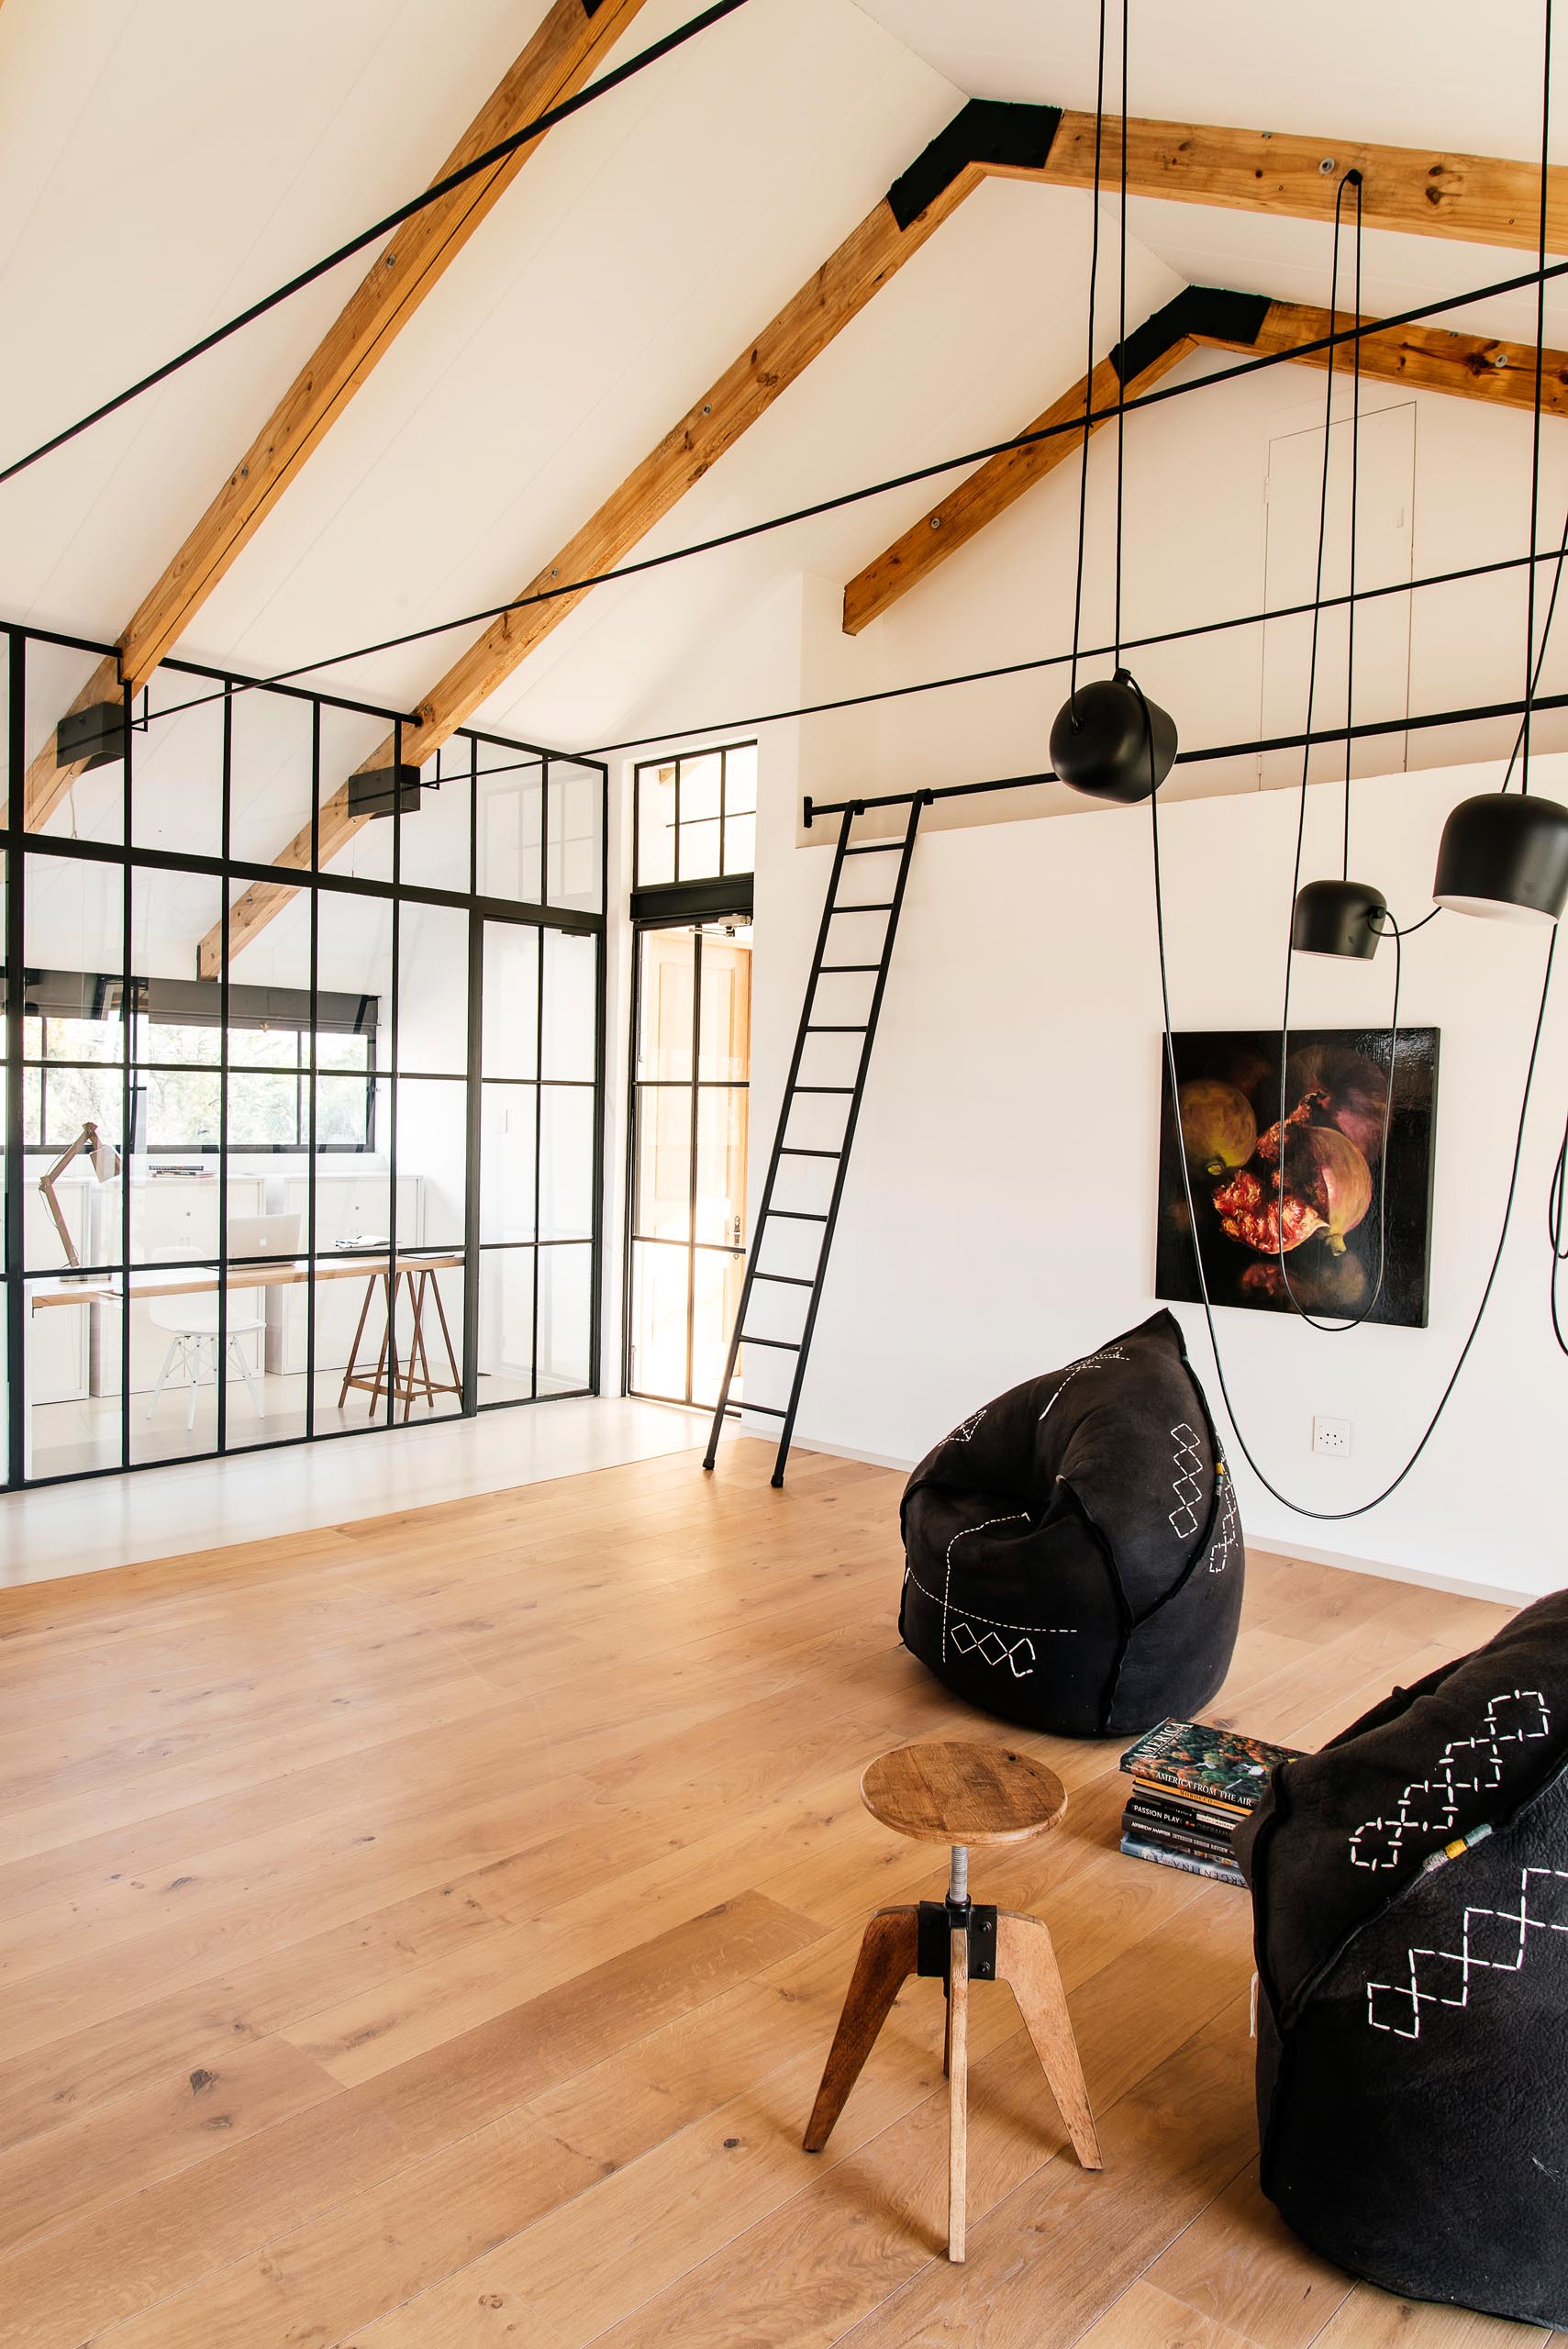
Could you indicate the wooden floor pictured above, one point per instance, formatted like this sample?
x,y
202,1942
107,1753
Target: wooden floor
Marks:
x,y
427,1932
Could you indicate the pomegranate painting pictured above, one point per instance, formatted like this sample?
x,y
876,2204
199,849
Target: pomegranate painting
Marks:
x,y
1288,1208
1218,1130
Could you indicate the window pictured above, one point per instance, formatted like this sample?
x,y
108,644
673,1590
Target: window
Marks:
x,y
695,816
73,1067
418,1044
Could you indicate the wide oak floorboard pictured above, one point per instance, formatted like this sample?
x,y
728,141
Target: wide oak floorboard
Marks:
x,y
425,1933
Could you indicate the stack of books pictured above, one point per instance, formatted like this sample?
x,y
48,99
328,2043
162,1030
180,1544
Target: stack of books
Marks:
x,y
1192,1787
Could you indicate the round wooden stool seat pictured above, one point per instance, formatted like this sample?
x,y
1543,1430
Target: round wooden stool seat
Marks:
x,y
959,1793
962,1793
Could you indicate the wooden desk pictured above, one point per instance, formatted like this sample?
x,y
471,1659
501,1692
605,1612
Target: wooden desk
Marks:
x,y
418,1267
415,1377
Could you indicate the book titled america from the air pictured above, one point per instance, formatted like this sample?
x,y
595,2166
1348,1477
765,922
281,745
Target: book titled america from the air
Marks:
x,y
1206,1764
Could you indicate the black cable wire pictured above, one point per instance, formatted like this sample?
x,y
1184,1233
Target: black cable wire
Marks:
x,y
1559,1177
1531,560
1557,1190
1050,660
1535,432
1557,1237
1121,348
1355,482
844,498
1328,1516
1317,604
1351,179
1088,363
1389,928
378,229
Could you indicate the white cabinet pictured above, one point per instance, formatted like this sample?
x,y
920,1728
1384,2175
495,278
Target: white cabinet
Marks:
x,y
173,1220
57,1338
353,1206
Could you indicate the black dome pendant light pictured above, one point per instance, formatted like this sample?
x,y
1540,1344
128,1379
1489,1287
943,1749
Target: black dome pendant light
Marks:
x,y
1103,736
1338,917
1108,740
1507,859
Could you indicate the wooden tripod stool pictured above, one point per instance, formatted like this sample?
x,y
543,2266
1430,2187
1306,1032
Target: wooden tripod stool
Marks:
x,y
959,1795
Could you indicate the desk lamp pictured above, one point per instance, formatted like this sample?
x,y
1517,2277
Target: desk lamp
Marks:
x,y
106,1163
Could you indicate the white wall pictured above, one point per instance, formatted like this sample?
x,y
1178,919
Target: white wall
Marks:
x,y
1197,523
999,1215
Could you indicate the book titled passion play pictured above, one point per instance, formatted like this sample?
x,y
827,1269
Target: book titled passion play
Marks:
x,y
1206,1764
1150,1816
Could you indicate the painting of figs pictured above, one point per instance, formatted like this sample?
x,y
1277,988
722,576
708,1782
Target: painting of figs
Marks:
x,y
1299,1206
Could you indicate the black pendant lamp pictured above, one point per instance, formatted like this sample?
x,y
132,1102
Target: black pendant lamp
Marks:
x,y
1505,857
1111,743
1344,917
1337,917
1108,740
1502,856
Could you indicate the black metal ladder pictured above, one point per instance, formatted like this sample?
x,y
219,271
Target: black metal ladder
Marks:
x,y
825,963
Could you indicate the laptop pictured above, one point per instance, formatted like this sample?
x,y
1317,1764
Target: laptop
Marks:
x,y
263,1235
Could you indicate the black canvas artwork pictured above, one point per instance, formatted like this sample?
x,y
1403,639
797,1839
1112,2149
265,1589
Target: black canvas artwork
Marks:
x,y
1322,1193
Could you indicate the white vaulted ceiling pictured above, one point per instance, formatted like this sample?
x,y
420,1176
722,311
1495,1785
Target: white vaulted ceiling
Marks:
x,y
163,161
1404,74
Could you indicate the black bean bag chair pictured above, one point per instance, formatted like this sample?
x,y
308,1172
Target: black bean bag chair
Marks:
x,y
1073,1551
1410,1892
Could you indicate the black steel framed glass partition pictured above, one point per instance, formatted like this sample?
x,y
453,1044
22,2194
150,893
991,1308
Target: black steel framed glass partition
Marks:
x,y
693,827
695,816
690,1095
303,1069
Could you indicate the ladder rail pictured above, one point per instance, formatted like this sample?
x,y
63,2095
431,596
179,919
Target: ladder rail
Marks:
x,y
831,911
894,908
802,1032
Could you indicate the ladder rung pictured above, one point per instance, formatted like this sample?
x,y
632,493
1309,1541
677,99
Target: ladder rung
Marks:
x,y
833,910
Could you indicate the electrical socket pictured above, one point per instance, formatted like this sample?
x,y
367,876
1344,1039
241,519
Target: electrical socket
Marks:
x,y
1332,1436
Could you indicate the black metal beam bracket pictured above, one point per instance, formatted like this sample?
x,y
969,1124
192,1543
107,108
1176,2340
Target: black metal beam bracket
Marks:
x,y
986,130
1196,310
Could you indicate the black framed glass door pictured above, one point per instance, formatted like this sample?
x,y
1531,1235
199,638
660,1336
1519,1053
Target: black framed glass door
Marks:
x,y
691,1070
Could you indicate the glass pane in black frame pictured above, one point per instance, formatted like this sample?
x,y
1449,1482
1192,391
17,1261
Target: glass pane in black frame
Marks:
x,y
165,1175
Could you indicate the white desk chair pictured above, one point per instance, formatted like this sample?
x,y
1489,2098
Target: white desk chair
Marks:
x,y
193,1320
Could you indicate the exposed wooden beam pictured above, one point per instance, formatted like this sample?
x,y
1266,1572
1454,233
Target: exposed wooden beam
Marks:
x,y
1467,366
1485,199
557,62
951,169
975,501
